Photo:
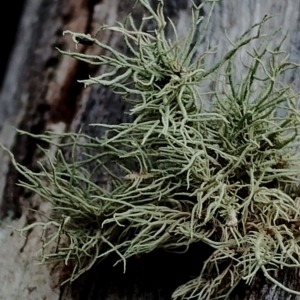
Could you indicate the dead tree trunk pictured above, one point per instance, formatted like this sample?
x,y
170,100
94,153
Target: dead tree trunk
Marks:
x,y
40,92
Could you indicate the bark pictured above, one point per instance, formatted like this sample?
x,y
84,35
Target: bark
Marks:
x,y
40,92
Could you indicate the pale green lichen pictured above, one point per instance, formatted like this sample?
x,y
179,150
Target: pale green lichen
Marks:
x,y
179,174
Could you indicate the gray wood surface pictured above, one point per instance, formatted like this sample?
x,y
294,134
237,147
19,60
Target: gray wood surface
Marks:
x,y
40,92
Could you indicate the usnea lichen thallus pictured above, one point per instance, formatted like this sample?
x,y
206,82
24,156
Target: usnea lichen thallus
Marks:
x,y
179,174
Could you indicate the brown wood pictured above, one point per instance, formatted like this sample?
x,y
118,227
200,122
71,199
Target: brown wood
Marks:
x,y
40,92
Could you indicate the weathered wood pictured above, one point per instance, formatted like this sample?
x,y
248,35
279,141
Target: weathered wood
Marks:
x,y
40,92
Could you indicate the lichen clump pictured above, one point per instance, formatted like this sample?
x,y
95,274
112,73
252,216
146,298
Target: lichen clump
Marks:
x,y
179,174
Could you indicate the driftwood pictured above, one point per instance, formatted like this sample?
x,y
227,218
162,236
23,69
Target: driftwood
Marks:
x,y
40,92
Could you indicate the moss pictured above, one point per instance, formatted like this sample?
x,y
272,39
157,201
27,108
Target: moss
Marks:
x,y
179,174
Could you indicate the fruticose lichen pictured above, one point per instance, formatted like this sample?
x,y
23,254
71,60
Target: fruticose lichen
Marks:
x,y
180,174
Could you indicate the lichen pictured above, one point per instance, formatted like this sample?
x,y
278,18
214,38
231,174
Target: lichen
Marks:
x,y
180,174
